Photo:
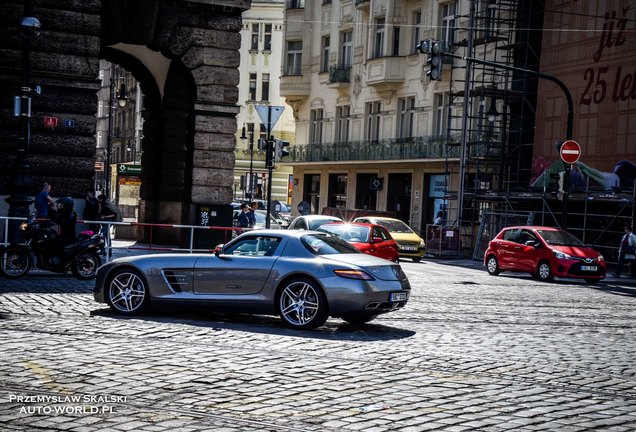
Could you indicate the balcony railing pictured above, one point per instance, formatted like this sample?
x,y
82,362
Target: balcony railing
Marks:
x,y
388,149
339,74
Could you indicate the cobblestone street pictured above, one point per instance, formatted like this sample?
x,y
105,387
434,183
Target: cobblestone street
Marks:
x,y
469,352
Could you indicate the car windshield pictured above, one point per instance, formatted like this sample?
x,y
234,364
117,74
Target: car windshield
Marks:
x,y
313,224
395,226
350,233
323,244
560,238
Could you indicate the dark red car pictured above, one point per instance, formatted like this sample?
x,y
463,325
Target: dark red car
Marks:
x,y
545,253
368,238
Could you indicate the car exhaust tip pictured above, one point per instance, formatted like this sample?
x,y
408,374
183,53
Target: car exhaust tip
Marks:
x,y
372,306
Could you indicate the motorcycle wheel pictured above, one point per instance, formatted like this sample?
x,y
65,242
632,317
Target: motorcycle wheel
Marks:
x,y
15,262
85,265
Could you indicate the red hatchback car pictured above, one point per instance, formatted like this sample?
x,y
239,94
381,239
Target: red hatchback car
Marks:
x,y
368,238
545,253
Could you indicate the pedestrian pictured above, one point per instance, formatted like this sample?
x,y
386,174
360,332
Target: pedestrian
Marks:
x,y
439,220
252,213
243,218
91,210
44,202
108,212
626,251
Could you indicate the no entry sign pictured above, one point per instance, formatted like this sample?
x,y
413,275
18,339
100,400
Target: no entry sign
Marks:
x,y
570,151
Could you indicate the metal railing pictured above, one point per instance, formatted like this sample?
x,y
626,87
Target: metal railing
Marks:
x,y
386,149
339,73
148,245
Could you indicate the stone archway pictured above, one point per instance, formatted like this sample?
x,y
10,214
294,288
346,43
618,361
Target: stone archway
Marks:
x,y
188,148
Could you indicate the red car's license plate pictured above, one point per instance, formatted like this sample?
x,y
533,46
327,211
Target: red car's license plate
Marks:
x,y
588,268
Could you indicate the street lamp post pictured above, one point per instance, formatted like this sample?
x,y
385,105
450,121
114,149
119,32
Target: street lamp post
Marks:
x,y
249,184
21,183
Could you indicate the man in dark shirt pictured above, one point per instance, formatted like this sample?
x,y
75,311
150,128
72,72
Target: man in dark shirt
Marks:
x,y
43,201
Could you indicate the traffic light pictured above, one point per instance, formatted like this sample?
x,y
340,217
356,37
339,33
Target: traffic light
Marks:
x,y
280,152
424,46
435,61
269,153
556,184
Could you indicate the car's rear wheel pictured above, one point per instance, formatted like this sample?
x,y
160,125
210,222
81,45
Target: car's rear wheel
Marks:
x,y
544,271
127,292
302,304
359,318
85,265
492,266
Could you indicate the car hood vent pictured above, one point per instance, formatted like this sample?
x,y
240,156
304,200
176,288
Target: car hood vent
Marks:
x,y
175,279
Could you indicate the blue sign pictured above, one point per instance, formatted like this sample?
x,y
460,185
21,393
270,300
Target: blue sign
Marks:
x,y
69,123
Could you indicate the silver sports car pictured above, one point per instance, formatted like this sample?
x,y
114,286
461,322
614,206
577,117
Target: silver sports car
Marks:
x,y
303,276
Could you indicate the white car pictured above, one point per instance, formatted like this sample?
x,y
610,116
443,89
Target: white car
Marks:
x,y
311,222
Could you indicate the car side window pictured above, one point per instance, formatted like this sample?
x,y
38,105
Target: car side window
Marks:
x,y
254,246
511,235
527,236
382,233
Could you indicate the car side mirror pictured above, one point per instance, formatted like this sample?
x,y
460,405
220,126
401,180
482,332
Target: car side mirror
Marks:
x,y
218,249
532,243
377,240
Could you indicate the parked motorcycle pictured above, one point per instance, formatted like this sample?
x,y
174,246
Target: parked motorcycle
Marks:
x,y
37,246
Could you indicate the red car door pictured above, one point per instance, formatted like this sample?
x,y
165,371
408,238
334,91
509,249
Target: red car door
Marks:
x,y
387,248
507,249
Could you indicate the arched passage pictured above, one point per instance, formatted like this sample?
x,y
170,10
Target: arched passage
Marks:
x,y
190,96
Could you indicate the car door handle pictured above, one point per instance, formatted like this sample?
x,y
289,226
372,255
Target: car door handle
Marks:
x,y
232,286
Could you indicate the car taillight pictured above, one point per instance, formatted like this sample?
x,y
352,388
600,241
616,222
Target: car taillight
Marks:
x,y
353,274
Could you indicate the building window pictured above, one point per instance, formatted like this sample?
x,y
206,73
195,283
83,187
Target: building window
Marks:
x,y
346,41
316,126
252,95
448,23
262,132
295,4
337,190
265,87
99,139
311,191
324,59
372,111
100,109
417,22
294,58
407,117
378,43
441,114
267,38
396,41
254,45
343,122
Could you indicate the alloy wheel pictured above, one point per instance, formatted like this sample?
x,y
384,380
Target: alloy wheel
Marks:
x,y
302,305
127,293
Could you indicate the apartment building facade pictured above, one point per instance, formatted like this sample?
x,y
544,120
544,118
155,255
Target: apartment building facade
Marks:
x,y
260,70
370,124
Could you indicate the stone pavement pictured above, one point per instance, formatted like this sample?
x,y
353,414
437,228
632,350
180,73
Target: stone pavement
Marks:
x,y
469,352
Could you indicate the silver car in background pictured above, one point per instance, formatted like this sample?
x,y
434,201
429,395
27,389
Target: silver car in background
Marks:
x,y
303,276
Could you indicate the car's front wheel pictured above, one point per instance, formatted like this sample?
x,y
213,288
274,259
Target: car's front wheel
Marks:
x,y
15,262
544,271
492,266
416,259
127,292
302,304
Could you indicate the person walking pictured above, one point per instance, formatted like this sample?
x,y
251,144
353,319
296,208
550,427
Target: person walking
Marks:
x,y
91,210
109,213
626,252
243,218
251,214
44,202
